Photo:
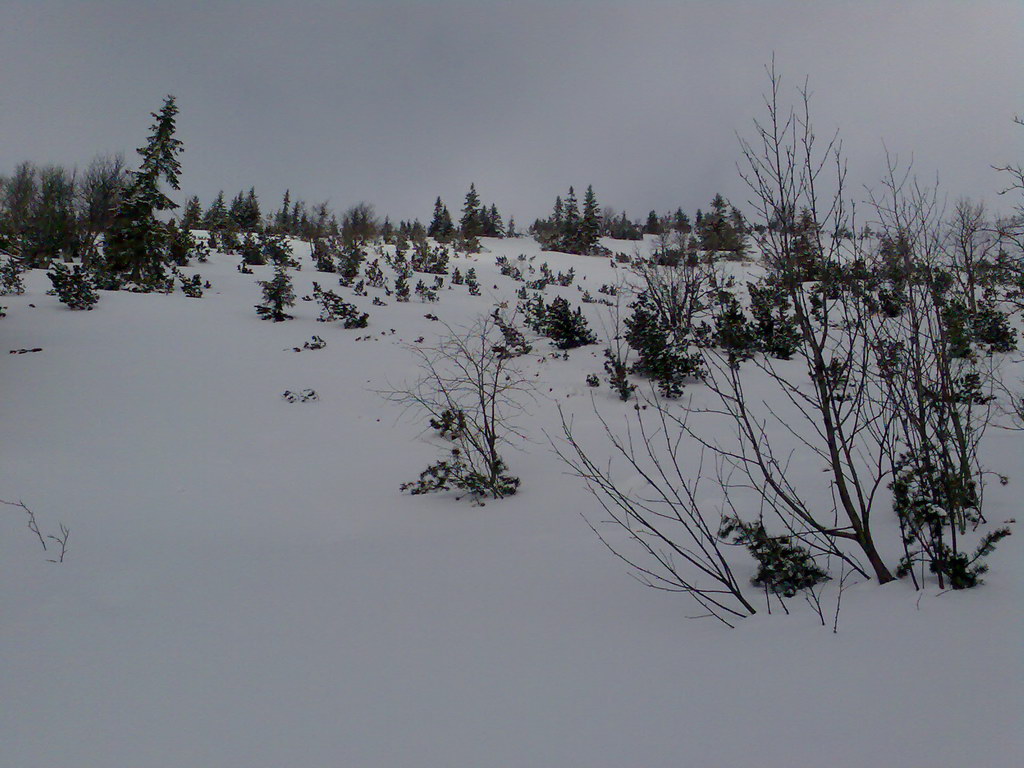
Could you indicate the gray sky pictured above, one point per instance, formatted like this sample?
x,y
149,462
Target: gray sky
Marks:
x,y
397,102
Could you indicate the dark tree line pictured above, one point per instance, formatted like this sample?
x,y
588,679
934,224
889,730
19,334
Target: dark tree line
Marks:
x,y
52,213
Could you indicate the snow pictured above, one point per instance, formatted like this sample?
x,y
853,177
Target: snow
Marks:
x,y
246,586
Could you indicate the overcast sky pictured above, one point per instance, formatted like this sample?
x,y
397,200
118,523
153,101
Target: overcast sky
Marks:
x,y
396,102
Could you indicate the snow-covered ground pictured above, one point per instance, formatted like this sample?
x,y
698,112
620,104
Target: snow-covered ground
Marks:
x,y
246,587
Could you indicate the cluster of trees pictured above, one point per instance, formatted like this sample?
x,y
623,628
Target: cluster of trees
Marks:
x,y
112,219
477,220
721,231
294,218
51,213
569,229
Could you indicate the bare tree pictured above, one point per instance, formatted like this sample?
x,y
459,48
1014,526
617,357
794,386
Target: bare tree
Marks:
x,y
831,414
669,543
1013,229
33,525
470,390
937,367
99,195
680,290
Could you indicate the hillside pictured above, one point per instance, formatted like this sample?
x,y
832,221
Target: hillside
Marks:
x,y
245,584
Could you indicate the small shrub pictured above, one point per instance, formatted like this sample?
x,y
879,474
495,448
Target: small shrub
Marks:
x,y
784,566
374,274
10,278
424,293
432,260
303,396
663,352
349,263
333,307
402,287
514,343
455,473
618,378
73,287
471,282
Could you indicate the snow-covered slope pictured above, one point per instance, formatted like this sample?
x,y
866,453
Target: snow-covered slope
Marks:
x,y
246,586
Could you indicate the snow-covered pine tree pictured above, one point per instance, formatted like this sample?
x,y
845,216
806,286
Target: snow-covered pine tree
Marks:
x,y
278,295
470,222
333,307
73,287
590,226
192,217
10,278
568,329
136,243
282,217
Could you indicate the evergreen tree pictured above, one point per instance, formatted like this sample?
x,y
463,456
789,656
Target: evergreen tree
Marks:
x,y
681,222
193,215
216,216
73,287
568,329
722,229
663,349
653,225
236,213
283,218
441,227
333,307
590,226
494,226
251,215
137,240
470,223
569,241
11,283
278,295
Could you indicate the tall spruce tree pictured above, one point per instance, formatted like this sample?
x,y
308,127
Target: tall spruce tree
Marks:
x,y
251,214
193,214
494,227
282,219
570,223
136,243
236,213
590,226
470,223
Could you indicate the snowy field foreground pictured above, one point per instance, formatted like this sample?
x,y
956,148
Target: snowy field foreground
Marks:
x,y
246,587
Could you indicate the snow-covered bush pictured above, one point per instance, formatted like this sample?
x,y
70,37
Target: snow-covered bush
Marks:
x,y
10,278
73,286
333,307
278,295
